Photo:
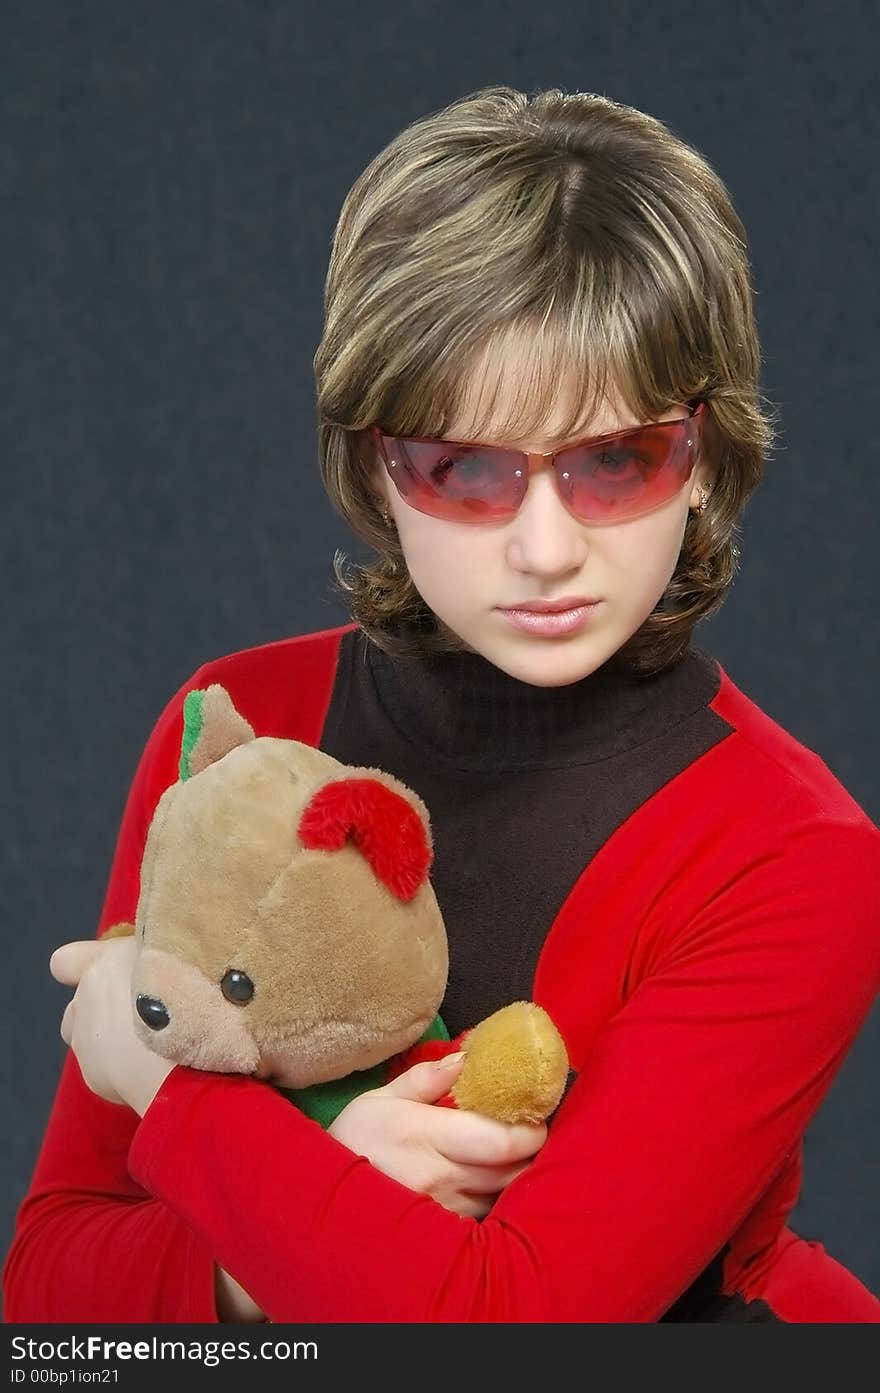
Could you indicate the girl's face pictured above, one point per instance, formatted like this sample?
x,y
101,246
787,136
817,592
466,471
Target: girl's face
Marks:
x,y
469,573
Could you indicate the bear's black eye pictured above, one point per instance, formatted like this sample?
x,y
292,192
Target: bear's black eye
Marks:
x,y
237,987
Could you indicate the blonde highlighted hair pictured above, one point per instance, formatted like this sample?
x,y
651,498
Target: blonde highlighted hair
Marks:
x,y
586,230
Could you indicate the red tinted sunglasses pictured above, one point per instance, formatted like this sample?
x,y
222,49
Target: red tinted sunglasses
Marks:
x,y
609,478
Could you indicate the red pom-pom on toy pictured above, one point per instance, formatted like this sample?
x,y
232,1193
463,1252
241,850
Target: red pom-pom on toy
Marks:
x,y
386,829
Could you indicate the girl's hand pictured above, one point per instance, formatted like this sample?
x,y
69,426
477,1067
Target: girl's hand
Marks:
x,y
98,1024
462,1159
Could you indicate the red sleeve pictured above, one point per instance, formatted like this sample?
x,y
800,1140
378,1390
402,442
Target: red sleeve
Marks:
x,y
90,1244
690,1100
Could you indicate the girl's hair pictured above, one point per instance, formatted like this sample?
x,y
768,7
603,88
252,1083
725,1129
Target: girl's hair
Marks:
x,y
583,229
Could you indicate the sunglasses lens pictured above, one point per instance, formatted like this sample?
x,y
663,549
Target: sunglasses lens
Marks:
x,y
608,481
456,483
629,474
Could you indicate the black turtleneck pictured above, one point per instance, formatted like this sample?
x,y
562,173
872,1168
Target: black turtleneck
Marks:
x,y
474,717
524,784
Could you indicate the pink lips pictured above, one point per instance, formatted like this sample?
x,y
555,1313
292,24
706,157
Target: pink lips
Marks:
x,y
551,618
552,606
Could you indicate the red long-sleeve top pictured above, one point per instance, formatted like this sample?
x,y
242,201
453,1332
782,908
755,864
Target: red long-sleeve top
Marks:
x,y
709,964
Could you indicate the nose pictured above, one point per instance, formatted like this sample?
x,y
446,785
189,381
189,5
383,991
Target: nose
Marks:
x,y
544,538
152,1012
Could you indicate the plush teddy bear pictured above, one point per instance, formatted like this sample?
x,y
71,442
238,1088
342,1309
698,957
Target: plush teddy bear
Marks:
x,y
287,928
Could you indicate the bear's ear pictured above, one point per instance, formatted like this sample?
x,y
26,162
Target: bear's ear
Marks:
x,y
211,728
386,821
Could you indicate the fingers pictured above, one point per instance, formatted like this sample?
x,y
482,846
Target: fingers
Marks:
x,y
425,1083
67,1021
462,1136
485,1180
473,1140
68,963
472,1191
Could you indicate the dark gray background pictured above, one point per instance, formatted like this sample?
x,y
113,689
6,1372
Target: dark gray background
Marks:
x,y
175,172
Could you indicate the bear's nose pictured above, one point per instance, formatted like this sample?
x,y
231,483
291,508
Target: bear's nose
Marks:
x,y
152,1012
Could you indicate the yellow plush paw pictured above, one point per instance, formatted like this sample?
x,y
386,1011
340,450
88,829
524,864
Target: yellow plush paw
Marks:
x,y
515,1067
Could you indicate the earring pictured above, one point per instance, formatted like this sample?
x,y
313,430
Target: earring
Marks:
x,y
704,498
386,517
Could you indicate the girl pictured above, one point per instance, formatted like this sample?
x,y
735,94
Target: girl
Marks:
x,y
538,399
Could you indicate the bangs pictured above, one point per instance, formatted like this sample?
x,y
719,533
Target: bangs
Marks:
x,y
556,378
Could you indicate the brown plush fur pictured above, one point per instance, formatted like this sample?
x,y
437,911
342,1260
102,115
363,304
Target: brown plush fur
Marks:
x,y
223,728
345,973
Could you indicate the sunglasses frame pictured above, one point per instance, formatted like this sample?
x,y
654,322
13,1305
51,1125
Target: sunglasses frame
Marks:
x,y
544,458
